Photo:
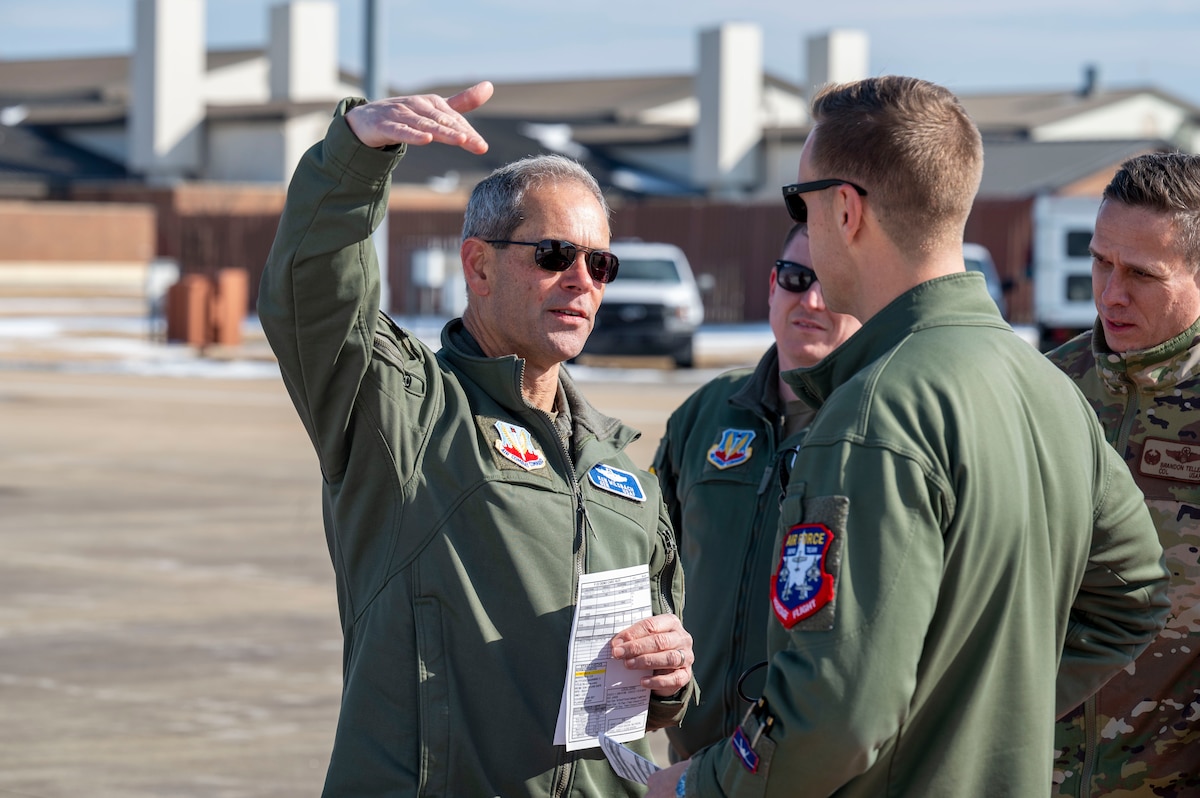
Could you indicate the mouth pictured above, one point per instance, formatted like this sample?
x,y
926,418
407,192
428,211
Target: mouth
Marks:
x,y
807,324
571,313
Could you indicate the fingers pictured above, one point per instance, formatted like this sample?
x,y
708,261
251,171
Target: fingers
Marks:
x,y
468,100
420,120
659,644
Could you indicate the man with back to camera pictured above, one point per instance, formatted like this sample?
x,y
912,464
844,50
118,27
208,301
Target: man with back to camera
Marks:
x,y
718,463
1140,369
465,491
961,556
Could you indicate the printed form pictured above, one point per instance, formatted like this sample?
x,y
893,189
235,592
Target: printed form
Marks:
x,y
601,695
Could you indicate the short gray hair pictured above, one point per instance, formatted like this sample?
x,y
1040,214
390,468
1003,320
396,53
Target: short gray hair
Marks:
x,y
1166,183
497,204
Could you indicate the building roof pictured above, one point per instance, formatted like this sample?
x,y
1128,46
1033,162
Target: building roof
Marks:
x,y
1013,168
1017,113
32,162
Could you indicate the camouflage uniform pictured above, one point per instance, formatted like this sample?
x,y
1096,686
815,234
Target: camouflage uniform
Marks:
x,y
1140,735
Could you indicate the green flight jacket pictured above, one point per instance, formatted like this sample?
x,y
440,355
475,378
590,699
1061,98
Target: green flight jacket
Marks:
x,y
961,557
457,518
1141,732
718,464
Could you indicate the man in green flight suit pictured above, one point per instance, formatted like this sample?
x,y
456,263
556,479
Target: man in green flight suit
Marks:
x,y
718,464
961,556
1139,368
466,491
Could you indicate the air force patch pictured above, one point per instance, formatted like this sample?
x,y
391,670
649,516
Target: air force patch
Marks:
x,y
517,445
732,448
803,583
614,480
744,751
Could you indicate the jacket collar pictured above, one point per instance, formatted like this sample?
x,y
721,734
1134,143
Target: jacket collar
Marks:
x,y
955,299
1157,368
760,394
500,378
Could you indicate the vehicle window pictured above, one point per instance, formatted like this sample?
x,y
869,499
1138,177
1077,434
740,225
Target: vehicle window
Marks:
x,y
660,270
1079,288
1078,242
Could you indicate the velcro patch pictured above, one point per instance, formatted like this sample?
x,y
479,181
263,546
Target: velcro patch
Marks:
x,y
517,445
615,480
1170,460
803,582
732,448
744,751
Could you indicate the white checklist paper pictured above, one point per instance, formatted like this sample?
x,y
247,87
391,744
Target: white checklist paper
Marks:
x,y
601,695
626,763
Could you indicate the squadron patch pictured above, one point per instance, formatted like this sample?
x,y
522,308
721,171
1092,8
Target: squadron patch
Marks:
x,y
803,583
614,480
732,448
744,751
516,444
1170,460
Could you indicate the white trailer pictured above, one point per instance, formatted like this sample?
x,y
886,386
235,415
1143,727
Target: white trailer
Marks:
x,y
1062,267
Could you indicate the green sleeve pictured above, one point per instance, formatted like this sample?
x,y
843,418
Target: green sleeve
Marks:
x,y
1122,602
840,686
319,297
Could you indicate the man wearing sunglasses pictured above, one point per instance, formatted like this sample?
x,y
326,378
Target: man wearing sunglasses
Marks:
x,y
467,490
717,464
961,556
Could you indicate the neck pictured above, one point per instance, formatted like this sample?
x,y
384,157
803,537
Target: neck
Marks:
x,y
907,273
540,387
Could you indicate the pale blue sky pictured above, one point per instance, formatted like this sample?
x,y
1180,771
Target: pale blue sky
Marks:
x,y
968,46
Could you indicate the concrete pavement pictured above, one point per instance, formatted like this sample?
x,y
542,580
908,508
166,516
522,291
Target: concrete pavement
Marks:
x,y
168,623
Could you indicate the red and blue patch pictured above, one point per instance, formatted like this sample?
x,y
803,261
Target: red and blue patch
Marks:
x,y
802,583
517,444
732,448
744,751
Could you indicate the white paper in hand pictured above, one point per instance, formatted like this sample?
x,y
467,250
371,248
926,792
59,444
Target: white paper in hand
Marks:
x,y
626,763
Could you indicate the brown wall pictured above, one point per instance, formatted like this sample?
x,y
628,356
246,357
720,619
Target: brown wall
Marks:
x,y
76,231
207,228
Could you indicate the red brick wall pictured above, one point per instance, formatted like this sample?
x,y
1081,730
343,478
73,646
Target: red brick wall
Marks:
x,y
76,232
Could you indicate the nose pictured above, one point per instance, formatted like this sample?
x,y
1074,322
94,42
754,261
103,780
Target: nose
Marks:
x,y
577,277
1109,287
814,297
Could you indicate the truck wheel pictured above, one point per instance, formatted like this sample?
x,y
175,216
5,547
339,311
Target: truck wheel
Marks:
x,y
684,356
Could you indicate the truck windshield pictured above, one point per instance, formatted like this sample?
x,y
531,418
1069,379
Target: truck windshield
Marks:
x,y
649,270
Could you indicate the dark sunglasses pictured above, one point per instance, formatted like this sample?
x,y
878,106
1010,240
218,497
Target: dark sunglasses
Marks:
x,y
795,203
557,256
794,277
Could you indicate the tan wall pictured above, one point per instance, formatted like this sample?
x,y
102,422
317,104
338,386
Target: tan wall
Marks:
x,y
76,232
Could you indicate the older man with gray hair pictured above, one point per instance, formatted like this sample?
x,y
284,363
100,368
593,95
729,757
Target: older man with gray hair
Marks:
x,y
466,491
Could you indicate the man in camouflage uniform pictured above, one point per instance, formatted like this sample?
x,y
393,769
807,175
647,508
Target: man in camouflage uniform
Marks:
x,y
1140,369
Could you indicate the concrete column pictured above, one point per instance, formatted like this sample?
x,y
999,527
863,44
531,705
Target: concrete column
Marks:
x,y
836,56
303,52
166,108
729,87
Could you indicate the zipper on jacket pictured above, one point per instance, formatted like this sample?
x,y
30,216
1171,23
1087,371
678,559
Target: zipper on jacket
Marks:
x,y
1091,737
565,771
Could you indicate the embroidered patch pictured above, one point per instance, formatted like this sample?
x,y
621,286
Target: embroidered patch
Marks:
x,y
516,443
732,448
803,583
1170,460
745,753
614,480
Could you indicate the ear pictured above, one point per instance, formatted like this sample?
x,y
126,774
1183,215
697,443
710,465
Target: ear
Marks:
x,y
772,282
478,264
851,213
